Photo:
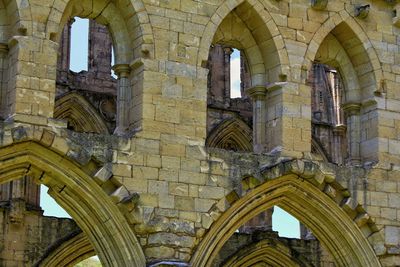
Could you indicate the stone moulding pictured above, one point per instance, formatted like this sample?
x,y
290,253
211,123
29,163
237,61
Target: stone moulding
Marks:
x,y
302,188
74,188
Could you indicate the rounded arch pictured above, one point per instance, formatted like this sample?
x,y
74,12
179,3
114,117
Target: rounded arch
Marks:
x,y
270,252
74,108
74,189
233,131
357,46
265,51
290,185
68,252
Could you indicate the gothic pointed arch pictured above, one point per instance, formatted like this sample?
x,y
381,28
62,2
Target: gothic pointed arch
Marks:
x,y
268,252
79,113
67,252
301,188
248,26
116,15
232,134
74,188
359,52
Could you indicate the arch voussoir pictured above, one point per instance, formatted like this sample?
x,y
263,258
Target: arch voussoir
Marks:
x,y
301,187
72,184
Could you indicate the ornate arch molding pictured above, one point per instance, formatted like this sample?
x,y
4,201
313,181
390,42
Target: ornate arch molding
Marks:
x,y
270,252
351,27
308,191
235,132
264,31
68,252
75,108
77,190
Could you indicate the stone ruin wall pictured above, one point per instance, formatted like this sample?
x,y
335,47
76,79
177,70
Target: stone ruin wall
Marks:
x,y
172,190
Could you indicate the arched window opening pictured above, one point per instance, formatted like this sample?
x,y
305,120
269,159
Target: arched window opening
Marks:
x,y
328,124
85,69
265,246
229,109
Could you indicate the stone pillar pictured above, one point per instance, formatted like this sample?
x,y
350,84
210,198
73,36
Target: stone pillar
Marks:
x,y
352,111
100,47
216,75
227,71
339,133
124,96
64,51
3,80
258,94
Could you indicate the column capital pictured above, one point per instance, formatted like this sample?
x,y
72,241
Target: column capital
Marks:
x,y
256,91
340,129
352,108
122,70
228,50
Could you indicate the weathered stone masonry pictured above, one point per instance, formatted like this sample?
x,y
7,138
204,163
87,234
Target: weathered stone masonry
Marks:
x,y
144,163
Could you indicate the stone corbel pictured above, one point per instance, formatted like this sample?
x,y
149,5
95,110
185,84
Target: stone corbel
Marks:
x,y
275,86
351,108
361,11
319,4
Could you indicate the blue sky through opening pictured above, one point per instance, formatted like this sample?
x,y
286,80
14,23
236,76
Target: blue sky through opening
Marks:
x,y
235,74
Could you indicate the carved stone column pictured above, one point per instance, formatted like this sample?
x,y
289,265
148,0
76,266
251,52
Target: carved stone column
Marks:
x,y
258,94
3,77
352,111
124,95
64,52
227,58
339,132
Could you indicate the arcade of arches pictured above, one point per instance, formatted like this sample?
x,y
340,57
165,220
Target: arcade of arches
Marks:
x,y
160,165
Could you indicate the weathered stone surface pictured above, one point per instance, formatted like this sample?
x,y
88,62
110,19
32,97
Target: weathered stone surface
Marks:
x,y
171,239
317,117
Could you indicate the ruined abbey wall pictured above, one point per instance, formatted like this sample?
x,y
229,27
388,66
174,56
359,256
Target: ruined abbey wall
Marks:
x,y
139,162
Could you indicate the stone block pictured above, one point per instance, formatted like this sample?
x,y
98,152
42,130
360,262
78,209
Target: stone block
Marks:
x,y
203,205
184,203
